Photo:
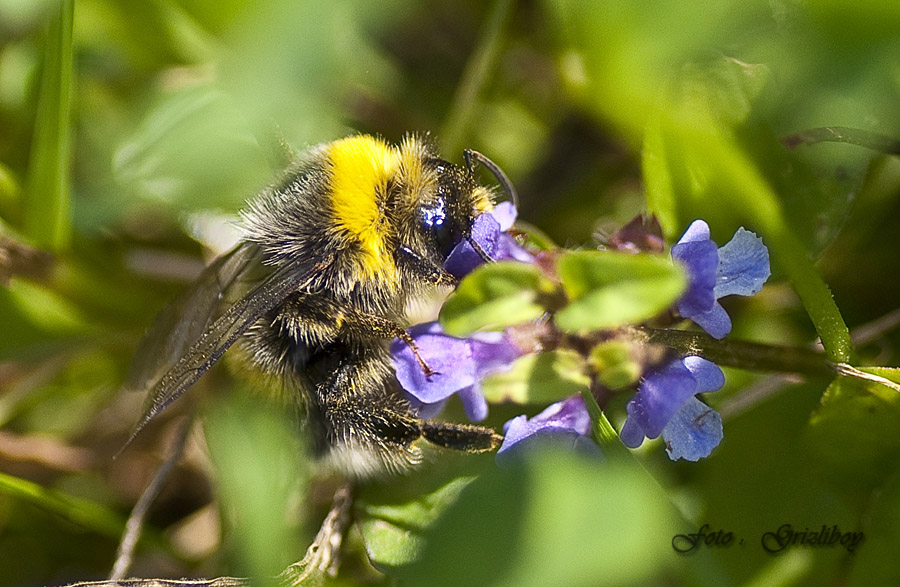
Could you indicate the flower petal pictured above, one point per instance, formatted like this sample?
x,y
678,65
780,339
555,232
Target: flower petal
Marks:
x,y
492,356
716,322
459,364
660,394
463,258
698,231
632,435
474,404
505,214
743,265
566,421
449,357
693,432
701,260
508,249
708,375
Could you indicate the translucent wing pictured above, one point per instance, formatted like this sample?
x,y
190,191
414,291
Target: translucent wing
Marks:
x,y
182,322
198,328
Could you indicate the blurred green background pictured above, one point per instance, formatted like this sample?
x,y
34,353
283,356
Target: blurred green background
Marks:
x,y
131,131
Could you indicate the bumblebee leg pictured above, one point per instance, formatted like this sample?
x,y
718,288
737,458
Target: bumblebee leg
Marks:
x,y
370,325
406,338
472,439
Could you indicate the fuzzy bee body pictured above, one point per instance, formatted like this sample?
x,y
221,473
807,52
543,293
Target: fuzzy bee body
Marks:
x,y
310,297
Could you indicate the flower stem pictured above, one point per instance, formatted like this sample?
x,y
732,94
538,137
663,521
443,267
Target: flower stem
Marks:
x,y
742,354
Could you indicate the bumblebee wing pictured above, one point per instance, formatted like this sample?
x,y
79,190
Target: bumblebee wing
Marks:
x,y
213,340
183,321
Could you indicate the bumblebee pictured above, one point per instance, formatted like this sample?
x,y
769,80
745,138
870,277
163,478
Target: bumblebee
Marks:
x,y
331,255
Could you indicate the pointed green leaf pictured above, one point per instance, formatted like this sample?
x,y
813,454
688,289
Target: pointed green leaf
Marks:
x,y
83,512
393,532
554,519
258,463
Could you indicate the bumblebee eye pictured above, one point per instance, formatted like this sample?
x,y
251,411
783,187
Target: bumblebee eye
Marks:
x,y
441,226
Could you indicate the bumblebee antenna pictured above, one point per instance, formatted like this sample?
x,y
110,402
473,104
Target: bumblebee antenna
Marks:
x,y
481,252
473,157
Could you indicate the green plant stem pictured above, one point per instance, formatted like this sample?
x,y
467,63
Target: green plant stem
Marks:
x,y
815,295
478,70
602,429
744,355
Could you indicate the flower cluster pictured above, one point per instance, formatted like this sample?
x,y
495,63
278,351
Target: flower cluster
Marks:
x,y
666,401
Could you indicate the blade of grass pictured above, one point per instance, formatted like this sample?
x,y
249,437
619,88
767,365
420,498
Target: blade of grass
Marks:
x,y
601,429
82,512
478,69
47,220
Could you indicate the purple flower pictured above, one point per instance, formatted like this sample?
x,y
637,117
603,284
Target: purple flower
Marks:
x,y
740,268
566,422
488,231
459,364
664,404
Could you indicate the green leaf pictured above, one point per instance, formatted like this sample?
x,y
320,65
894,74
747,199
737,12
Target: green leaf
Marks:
x,y
658,181
47,220
34,317
609,289
494,296
538,378
553,519
195,149
855,429
393,532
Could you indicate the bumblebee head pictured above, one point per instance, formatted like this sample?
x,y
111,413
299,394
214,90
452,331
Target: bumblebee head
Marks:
x,y
445,218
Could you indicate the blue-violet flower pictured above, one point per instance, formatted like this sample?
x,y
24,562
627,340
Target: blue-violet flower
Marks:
x,y
665,404
489,231
459,365
740,267
566,422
